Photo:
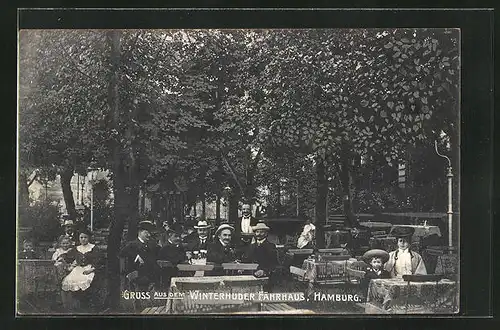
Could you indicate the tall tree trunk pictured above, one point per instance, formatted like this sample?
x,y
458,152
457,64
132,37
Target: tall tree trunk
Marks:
x,y
119,186
24,192
66,176
203,207
321,196
347,185
217,209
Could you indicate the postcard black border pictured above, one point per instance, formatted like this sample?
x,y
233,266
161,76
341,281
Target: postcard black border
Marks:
x,y
476,116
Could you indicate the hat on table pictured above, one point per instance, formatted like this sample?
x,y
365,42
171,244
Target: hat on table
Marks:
x,y
375,253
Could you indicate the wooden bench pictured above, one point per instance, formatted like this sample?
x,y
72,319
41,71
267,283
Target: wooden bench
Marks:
x,y
335,251
234,267
155,310
277,307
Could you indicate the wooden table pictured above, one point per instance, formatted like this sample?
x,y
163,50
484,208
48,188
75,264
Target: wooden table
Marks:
x,y
396,296
187,303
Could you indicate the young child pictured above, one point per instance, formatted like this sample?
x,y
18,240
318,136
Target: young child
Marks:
x,y
64,245
28,251
375,259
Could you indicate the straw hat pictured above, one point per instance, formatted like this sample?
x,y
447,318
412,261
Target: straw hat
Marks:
x,y
222,227
260,226
202,224
375,253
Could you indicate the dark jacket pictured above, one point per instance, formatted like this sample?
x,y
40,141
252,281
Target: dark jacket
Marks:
x,y
371,274
237,226
264,254
194,243
174,254
148,252
219,254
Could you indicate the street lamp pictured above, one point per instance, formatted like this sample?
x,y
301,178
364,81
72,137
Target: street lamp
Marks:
x,y
449,175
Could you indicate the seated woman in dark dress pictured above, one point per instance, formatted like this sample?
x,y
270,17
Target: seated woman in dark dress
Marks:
x,y
85,265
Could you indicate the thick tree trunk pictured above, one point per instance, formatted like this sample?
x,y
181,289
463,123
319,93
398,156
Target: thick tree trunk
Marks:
x,y
133,211
24,193
69,201
120,198
321,196
347,186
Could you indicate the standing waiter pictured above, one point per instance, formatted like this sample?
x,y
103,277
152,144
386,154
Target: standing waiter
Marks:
x,y
246,222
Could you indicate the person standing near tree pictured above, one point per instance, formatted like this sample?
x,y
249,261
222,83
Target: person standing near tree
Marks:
x,y
141,255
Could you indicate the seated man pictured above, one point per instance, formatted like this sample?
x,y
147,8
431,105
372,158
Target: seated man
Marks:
x,y
404,261
262,252
201,239
141,256
172,251
221,250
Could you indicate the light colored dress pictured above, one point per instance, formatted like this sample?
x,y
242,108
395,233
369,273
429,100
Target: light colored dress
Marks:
x,y
82,258
306,236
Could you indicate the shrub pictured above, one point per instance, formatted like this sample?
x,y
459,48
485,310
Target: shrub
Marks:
x,y
43,219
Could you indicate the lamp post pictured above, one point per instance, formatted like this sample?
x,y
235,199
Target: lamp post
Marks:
x,y
449,175
91,182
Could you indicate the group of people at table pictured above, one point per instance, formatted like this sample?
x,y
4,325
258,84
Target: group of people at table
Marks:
x,y
81,262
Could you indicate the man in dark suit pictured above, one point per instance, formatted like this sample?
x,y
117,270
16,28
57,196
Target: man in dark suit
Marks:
x,y
222,249
172,251
202,239
141,256
245,223
262,252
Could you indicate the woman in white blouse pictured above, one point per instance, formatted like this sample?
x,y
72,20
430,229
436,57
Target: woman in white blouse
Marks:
x,y
306,238
404,261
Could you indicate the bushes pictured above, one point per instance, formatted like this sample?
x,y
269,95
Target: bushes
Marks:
x,y
43,219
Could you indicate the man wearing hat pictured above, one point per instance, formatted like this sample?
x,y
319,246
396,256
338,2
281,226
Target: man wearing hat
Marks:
x,y
69,231
222,250
201,239
172,251
404,261
261,251
141,255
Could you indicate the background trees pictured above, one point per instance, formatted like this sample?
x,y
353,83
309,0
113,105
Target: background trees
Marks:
x,y
281,117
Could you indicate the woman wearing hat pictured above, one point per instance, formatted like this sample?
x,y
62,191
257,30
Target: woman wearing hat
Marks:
x,y
404,261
